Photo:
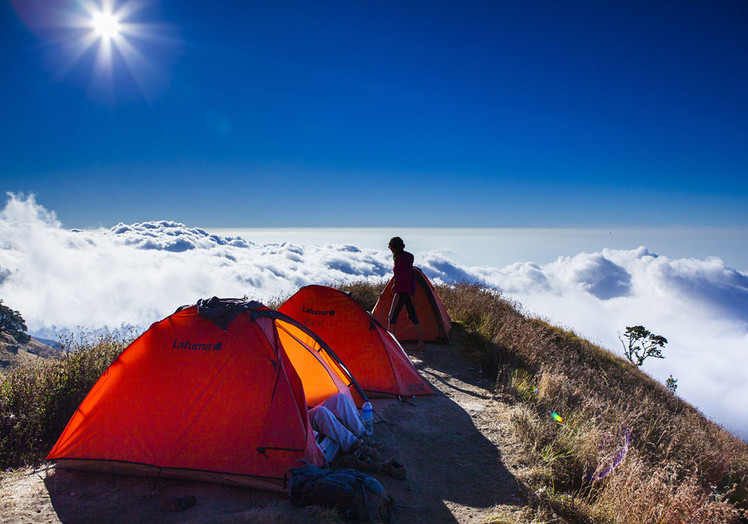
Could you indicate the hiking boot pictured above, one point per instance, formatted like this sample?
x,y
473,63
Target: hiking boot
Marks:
x,y
360,460
362,448
371,442
392,468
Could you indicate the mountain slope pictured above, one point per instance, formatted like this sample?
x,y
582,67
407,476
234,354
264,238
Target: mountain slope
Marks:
x,y
13,354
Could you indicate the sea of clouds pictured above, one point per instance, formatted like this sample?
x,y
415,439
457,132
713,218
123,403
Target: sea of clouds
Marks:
x,y
134,274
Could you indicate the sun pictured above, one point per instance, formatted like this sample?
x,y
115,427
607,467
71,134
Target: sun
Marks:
x,y
105,25
125,49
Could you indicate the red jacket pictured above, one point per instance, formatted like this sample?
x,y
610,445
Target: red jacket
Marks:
x,y
404,282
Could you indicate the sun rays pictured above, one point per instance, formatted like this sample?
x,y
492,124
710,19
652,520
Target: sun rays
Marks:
x,y
110,46
109,29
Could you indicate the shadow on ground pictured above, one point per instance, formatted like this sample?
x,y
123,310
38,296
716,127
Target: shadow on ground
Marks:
x,y
455,471
87,497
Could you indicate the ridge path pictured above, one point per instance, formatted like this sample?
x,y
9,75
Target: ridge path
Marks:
x,y
461,458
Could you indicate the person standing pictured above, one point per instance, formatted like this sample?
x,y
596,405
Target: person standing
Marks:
x,y
405,288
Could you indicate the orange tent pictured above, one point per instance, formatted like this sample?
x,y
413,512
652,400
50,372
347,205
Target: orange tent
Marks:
x,y
368,350
432,315
218,391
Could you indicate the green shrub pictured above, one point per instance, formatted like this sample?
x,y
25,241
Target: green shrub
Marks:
x,y
38,399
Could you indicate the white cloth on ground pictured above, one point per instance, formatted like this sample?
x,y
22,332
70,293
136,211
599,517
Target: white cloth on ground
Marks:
x,y
337,418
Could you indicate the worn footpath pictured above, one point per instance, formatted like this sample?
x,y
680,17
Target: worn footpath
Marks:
x,y
460,458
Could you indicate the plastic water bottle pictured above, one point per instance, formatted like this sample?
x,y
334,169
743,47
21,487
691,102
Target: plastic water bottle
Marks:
x,y
368,418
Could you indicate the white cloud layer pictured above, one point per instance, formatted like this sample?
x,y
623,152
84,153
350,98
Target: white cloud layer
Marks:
x,y
136,274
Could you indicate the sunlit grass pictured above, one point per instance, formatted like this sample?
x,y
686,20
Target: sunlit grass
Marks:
x,y
679,467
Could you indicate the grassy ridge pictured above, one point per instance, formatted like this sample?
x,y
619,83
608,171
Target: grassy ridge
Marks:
x,y
679,467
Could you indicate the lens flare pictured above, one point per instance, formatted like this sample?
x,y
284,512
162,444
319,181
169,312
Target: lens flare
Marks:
x,y
617,459
555,416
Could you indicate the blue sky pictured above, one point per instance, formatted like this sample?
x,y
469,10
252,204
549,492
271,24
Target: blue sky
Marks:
x,y
410,114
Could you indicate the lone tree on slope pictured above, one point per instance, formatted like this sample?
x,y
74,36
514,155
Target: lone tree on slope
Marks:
x,y
641,343
12,323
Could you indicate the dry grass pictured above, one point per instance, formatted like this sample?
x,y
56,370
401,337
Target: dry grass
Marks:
x,y
640,493
679,467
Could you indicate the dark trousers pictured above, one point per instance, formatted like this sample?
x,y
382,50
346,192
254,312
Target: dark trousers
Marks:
x,y
399,301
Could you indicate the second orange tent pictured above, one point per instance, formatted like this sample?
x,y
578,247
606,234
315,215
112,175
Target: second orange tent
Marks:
x,y
370,352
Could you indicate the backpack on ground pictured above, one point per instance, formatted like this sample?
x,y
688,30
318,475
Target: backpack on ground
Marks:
x,y
354,494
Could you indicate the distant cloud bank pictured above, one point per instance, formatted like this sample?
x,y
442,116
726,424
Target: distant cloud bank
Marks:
x,y
139,273
172,236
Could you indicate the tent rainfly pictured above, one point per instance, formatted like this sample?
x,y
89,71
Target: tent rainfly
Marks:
x,y
217,391
369,351
432,315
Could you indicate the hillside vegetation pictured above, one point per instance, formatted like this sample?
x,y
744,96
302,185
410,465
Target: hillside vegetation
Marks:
x,y
627,450
38,396
622,448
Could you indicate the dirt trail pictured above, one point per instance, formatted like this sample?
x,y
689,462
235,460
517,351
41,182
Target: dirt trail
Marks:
x,y
458,455
452,445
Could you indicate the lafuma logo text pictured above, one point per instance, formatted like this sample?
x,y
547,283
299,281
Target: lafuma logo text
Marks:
x,y
312,311
196,346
